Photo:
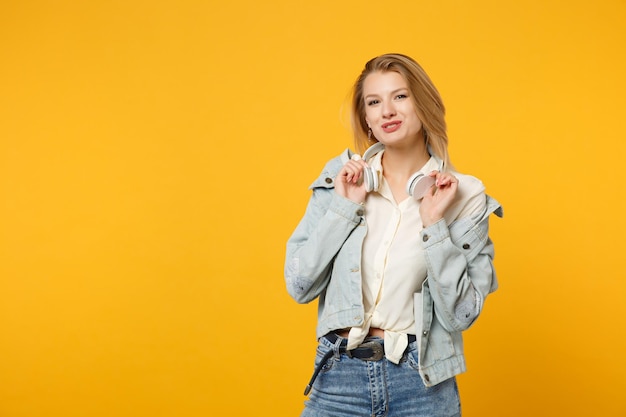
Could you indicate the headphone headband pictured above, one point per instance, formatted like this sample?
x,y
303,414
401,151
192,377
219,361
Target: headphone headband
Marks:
x,y
373,150
378,147
418,183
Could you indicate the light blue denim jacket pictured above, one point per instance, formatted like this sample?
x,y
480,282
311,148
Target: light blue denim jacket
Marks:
x,y
324,260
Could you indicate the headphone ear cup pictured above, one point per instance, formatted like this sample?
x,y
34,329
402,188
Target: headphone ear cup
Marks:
x,y
371,179
370,176
418,185
375,182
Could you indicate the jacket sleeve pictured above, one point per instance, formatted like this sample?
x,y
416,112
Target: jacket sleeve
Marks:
x,y
328,221
460,267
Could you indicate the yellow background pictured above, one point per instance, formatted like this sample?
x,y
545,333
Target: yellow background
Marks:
x,y
155,157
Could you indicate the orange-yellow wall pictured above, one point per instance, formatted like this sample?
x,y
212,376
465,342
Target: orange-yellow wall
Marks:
x,y
155,157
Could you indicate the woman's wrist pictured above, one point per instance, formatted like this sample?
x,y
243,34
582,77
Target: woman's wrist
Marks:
x,y
429,222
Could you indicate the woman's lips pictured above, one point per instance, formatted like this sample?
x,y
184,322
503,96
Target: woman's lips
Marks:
x,y
391,126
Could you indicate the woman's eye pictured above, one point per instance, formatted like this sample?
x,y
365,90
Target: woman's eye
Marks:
x,y
401,96
372,102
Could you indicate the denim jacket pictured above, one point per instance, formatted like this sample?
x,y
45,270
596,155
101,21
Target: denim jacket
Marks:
x,y
324,261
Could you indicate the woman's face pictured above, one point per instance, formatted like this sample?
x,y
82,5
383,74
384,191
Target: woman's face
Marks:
x,y
389,109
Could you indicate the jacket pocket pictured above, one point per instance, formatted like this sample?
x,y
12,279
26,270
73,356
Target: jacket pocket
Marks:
x,y
321,351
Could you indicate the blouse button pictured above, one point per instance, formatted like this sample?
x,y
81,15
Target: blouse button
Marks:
x,y
425,238
328,180
427,378
359,212
466,246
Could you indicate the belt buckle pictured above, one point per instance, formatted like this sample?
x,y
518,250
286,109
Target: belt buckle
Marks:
x,y
377,351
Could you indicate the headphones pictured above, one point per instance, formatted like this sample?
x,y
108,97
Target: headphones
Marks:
x,y
417,185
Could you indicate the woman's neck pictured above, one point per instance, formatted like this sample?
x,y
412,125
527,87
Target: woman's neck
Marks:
x,y
402,162
399,163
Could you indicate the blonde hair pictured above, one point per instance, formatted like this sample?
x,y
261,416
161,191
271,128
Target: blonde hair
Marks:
x,y
426,99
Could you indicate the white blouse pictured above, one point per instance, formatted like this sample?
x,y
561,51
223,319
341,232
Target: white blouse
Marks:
x,y
393,266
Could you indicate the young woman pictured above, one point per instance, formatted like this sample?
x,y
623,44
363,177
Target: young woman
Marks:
x,y
395,247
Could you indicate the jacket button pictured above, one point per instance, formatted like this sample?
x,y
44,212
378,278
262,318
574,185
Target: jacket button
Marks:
x,y
427,378
328,180
359,212
466,246
425,238
425,332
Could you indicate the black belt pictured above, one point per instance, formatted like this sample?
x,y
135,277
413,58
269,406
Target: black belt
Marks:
x,y
373,350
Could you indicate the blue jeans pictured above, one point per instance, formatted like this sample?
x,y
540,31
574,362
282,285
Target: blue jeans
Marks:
x,y
353,387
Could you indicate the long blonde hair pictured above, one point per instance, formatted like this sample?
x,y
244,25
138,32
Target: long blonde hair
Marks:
x,y
426,99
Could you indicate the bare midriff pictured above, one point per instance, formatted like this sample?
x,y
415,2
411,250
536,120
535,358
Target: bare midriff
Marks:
x,y
374,331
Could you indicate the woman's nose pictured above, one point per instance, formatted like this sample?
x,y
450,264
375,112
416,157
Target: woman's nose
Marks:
x,y
388,109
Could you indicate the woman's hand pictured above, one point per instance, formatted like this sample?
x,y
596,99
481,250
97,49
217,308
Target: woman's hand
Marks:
x,y
349,181
437,200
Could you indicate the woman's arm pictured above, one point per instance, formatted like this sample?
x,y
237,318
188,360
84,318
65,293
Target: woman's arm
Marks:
x,y
328,221
460,265
331,215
